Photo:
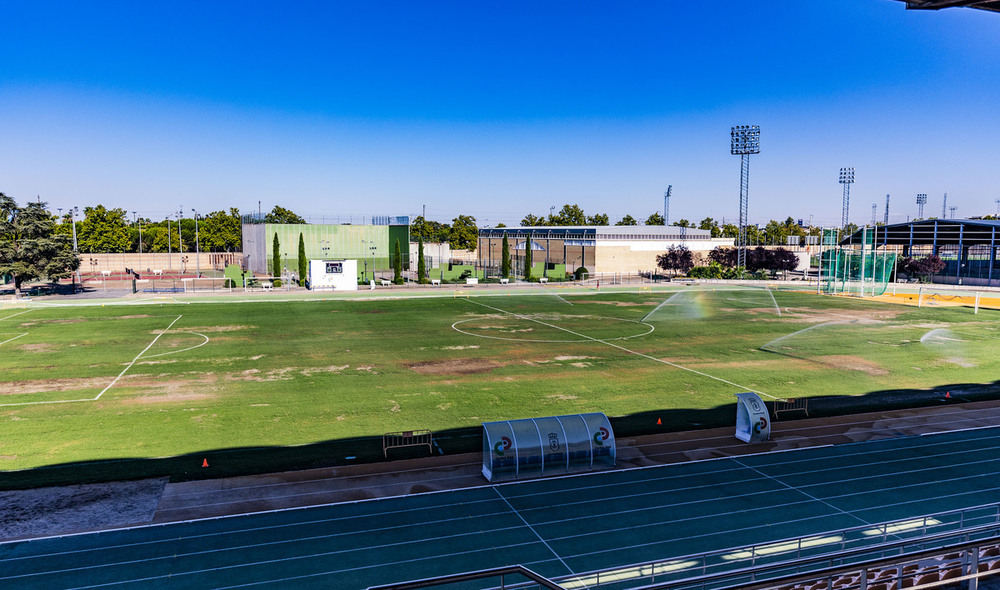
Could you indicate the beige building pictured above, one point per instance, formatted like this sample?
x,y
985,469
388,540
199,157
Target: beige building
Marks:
x,y
600,249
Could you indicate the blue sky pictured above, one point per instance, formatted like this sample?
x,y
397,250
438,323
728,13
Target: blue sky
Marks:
x,y
499,109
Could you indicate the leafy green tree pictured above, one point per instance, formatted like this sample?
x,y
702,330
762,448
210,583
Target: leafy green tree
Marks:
x,y
103,230
711,225
282,215
397,264
655,219
275,256
430,231
221,231
303,262
682,223
527,259
532,221
599,219
570,215
505,258
627,220
421,264
464,234
29,249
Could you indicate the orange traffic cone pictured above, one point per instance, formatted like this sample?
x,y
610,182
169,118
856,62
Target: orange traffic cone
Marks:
x,y
204,463
659,422
947,395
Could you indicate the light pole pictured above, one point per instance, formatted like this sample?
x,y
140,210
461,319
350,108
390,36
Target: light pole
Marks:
x,y
197,246
744,141
76,252
921,201
846,179
170,248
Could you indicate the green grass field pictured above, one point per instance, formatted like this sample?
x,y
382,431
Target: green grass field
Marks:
x,y
92,383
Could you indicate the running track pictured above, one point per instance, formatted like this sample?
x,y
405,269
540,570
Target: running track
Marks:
x,y
555,527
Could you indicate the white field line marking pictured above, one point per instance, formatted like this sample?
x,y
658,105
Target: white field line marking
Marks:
x,y
664,302
183,349
91,399
137,357
14,314
622,348
14,338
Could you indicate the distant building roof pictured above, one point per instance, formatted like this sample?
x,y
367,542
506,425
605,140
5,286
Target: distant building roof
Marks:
x,y
943,232
602,232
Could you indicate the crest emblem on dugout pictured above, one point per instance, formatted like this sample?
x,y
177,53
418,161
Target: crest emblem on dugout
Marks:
x,y
752,421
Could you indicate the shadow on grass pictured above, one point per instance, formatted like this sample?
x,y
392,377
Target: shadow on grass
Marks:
x,y
352,451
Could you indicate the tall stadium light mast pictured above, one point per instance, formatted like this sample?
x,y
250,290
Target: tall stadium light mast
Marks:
x,y
944,207
885,221
921,201
874,213
745,140
952,210
846,179
997,201
666,205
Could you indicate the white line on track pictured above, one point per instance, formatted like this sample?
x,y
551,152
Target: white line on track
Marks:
x,y
622,348
532,529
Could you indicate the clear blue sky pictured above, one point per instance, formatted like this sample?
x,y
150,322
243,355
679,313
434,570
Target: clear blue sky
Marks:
x,y
498,109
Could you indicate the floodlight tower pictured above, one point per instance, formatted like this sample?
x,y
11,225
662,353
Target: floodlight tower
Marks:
x,y
745,140
666,205
944,207
921,201
952,210
846,179
886,220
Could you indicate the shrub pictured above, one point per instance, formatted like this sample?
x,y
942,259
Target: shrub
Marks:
x,y
277,283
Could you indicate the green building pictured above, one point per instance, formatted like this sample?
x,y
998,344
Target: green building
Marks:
x,y
371,245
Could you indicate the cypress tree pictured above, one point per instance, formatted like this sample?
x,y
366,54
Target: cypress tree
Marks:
x,y
302,261
276,256
421,265
527,260
505,258
397,265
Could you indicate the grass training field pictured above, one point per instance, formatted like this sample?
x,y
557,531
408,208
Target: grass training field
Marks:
x,y
87,384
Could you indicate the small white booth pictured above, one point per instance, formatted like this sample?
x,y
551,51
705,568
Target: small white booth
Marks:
x,y
752,423
554,445
341,275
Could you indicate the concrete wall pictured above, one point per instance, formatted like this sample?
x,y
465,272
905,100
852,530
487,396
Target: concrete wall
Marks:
x,y
640,255
187,263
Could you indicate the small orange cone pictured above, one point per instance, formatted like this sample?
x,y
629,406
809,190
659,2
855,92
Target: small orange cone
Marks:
x,y
659,422
947,395
204,463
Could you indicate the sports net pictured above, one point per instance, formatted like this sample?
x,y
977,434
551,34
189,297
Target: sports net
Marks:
x,y
855,269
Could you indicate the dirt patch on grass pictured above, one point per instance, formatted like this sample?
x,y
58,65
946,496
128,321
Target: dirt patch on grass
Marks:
x,y
40,347
134,317
852,363
232,328
625,303
841,315
47,385
456,367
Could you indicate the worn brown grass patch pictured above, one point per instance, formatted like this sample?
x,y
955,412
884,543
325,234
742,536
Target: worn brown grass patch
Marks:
x,y
852,363
455,367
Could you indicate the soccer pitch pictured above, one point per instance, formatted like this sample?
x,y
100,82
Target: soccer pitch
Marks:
x,y
96,383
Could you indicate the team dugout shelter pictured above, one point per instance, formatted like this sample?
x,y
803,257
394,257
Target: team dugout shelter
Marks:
x,y
371,245
599,249
968,247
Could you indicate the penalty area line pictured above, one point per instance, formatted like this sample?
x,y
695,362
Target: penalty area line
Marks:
x,y
623,349
137,358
